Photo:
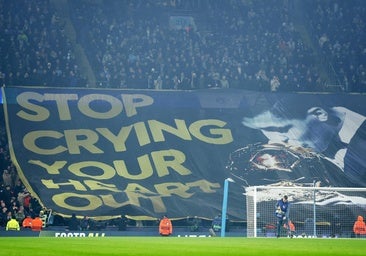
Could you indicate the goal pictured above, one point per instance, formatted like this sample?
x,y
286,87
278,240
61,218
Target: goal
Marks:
x,y
314,211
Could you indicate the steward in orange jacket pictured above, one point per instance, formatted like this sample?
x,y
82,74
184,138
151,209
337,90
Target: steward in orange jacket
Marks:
x,y
165,226
292,226
27,222
359,228
37,224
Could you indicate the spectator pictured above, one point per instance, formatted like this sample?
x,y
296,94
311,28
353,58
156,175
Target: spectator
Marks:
x,y
35,206
3,213
224,82
18,188
122,223
275,84
8,216
74,223
85,223
7,179
7,195
19,215
194,223
24,199
14,205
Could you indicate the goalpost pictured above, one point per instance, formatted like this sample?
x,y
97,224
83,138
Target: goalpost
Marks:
x,y
314,211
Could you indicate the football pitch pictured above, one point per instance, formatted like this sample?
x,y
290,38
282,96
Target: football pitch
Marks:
x,y
174,246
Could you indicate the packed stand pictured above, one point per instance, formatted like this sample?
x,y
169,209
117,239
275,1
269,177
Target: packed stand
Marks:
x,y
34,50
256,45
15,199
339,30
237,44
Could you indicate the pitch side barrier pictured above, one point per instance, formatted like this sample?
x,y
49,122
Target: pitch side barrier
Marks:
x,y
81,234
146,231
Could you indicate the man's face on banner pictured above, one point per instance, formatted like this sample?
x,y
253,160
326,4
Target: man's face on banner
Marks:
x,y
312,131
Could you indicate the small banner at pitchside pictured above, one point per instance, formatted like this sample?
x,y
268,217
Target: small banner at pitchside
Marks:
x,y
145,153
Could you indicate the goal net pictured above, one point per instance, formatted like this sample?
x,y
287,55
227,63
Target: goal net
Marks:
x,y
314,211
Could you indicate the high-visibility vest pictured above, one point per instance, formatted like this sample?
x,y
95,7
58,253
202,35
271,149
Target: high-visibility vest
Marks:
x,y
12,225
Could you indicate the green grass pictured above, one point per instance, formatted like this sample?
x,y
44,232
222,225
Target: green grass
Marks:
x,y
175,246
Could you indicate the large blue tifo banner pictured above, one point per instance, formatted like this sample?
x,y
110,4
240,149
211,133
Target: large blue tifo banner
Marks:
x,y
104,153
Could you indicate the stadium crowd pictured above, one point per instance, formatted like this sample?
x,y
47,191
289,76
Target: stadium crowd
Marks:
x,y
339,32
235,45
177,44
15,199
191,44
34,49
